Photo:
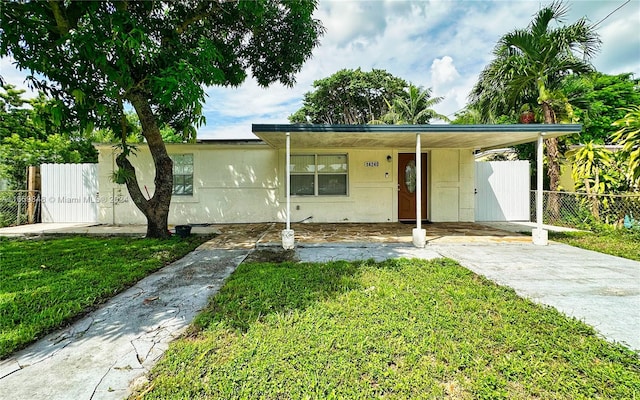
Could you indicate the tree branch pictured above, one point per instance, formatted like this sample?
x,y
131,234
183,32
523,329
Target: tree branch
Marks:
x,y
132,183
202,13
61,22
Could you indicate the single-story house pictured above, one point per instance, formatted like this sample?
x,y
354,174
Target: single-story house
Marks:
x,y
321,173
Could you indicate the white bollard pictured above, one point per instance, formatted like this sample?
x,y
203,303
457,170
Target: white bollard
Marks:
x,y
419,237
540,237
288,239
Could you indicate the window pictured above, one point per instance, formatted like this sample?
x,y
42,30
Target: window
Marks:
x,y
319,175
182,174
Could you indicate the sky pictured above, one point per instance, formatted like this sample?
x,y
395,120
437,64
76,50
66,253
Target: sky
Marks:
x,y
442,45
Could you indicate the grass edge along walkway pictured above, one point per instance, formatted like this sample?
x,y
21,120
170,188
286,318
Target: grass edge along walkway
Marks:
x,y
397,329
615,242
48,283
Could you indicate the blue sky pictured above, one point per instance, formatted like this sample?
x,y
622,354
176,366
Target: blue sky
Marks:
x,y
438,44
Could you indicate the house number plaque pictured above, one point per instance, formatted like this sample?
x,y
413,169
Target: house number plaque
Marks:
x,y
371,163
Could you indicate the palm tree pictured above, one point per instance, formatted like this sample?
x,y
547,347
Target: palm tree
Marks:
x,y
529,67
413,109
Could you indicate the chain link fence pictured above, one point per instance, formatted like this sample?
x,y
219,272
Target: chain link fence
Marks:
x,y
19,207
582,210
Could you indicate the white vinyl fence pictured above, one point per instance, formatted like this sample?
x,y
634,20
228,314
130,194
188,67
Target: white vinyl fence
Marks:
x,y
69,192
502,191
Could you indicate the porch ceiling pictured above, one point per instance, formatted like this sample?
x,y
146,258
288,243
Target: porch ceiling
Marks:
x,y
479,137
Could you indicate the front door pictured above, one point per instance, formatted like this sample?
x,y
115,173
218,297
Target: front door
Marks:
x,y
407,174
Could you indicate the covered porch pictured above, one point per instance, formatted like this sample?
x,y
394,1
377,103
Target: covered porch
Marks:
x,y
438,141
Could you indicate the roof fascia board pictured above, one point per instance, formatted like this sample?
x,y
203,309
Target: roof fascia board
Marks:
x,y
319,128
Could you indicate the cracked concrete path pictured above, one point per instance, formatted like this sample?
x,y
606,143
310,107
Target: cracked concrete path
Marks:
x,y
102,355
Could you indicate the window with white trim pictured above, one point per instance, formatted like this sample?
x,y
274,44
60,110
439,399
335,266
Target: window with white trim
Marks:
x,y
319,175
182,174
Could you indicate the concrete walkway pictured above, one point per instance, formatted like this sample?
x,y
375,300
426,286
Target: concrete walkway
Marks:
x,y
104,354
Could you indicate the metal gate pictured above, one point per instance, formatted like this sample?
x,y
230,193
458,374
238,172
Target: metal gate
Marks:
x,y
502,191
69,192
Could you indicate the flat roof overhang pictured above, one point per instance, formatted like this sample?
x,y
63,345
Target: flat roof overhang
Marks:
x,y
477,137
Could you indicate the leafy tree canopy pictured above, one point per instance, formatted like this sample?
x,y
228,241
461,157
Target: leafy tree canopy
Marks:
x,y
156,56
598,101
98,54
15,115
350,97
30,135
134,132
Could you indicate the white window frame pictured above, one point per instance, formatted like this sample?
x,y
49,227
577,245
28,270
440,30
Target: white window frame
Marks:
x,y
315,173
175,165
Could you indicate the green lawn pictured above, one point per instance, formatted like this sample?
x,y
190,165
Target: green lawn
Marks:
x,y
401,329
47,283
621,243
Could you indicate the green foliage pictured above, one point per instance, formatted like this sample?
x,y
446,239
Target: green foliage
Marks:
x,y
15,118
529,67
99,54
399,329
628,136
589,162
530,64
604,239
169,135
47,283
413,108
121,176
350,97
599,100
129,128
467,116
158,57
614,177
133,132
17,153
32,134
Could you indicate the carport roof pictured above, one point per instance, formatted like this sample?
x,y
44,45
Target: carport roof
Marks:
x,y
480,137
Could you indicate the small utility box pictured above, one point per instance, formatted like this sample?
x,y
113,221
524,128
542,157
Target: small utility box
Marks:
x,y
183,230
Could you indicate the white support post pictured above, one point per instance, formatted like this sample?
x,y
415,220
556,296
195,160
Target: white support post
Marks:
x,y
288,238
288,175
539,235
419,234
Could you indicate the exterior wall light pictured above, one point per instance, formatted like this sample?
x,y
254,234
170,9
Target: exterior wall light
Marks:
x,y
389,158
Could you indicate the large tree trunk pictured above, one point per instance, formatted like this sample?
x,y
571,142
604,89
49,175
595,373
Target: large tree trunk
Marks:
x,y
156,208
553,163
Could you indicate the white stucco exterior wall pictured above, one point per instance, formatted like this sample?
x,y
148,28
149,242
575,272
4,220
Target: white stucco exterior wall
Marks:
x,y
232,183
244,182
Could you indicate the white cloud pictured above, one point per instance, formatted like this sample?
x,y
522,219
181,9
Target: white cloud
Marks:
x,y
14,76
443,72
350,20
